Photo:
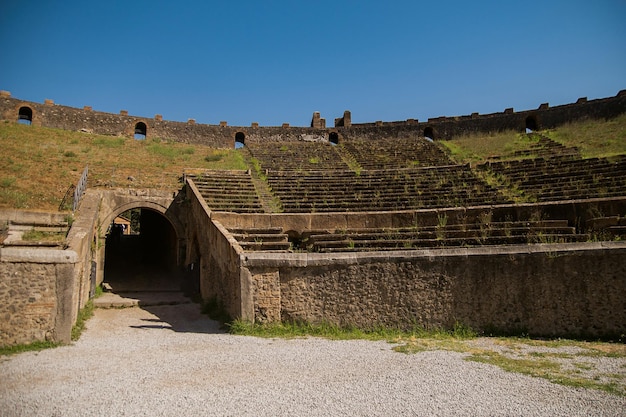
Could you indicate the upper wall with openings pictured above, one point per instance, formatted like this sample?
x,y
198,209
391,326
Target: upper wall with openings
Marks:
x,y
86,119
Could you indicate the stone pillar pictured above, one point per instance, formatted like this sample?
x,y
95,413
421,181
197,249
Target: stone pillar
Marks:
x,y
347,118
316,121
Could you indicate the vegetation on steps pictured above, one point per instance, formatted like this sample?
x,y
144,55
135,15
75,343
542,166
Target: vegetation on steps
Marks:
x,y
593,138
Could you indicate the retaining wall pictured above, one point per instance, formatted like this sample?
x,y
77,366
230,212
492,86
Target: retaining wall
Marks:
x,y
42,290
543,290
36,289
576,212
217,254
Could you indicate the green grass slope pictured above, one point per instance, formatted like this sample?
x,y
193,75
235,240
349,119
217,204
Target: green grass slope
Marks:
x,y
37,165
593,138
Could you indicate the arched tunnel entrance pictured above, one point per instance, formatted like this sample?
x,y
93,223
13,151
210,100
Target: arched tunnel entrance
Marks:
x,y
140,253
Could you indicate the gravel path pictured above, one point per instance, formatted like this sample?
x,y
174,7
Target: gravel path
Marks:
x,y
172,361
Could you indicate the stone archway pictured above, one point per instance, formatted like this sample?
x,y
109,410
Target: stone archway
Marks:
x,y
429,133
25,115
145,258
141,131
240,140
149,257
531,124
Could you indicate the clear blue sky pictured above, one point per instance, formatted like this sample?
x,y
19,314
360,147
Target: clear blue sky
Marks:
x,y
279,61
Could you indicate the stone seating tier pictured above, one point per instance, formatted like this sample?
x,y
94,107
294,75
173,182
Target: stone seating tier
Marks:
x,y
231,191
259,239
478,234
546,147
562,177
297,156
392,189
607,228
395,153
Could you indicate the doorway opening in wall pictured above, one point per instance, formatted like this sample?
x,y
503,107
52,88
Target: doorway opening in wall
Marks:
x,y
531,124
240,140
25,116
429,134
141,130
333,138
140,253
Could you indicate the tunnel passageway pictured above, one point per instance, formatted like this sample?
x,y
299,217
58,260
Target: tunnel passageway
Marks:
x,y
141,256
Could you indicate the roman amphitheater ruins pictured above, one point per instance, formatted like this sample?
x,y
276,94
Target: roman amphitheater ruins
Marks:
x,y
357,224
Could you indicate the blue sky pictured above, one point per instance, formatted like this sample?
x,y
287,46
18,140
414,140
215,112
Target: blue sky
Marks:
x,y
279,61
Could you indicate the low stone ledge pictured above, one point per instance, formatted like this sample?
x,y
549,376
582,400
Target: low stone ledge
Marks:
x,y
303,260
39,256
17,216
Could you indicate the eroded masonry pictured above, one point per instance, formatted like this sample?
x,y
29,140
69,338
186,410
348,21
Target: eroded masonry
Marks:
x,y
357,224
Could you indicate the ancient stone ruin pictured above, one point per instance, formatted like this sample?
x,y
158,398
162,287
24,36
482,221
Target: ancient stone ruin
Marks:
x,y
357,224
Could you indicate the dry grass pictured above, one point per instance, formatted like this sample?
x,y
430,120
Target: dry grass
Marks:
x,y
590,365
39,164
477,148
594,138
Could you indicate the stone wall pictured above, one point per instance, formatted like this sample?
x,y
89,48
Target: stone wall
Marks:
x,y
42,290
36,289
217,254
87,120
549,290
576,212
544,290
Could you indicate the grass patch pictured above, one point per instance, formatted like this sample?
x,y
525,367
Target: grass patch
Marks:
x,y
7,182
553,371
593,138
561,361
41,236
29,347
84,314
37,164
477,148
335,332
214,156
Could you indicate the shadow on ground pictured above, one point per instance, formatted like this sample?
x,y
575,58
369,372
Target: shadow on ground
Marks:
x,y
132,280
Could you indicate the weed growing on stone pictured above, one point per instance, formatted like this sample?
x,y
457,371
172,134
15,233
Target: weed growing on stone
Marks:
x,y
29,347
336,332
83,315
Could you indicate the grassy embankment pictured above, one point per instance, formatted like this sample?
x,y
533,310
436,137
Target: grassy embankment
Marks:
x,y
37,165
593,138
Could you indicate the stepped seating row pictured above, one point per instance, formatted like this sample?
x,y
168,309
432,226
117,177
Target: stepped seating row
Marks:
x,y
395,153
231,191
562,177
607,228
381,190
440,236
297,155
266,239
34,235
544,147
